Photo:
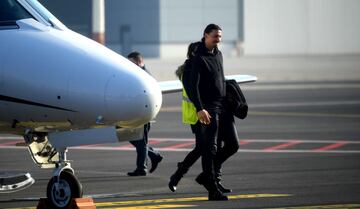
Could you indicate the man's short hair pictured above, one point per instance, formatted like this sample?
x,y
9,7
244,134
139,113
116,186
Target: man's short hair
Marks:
x,y
134,55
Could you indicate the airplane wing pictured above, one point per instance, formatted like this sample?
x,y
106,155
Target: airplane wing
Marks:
x,y
176,86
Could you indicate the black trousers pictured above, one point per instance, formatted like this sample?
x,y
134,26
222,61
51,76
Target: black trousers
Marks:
x,y
216,142
143,150
227,141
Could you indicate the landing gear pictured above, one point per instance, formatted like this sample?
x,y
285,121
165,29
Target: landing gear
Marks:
x,y
61,189
63,186
41,150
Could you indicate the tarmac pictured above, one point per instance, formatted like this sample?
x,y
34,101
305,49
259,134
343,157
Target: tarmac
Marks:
x,y
299,148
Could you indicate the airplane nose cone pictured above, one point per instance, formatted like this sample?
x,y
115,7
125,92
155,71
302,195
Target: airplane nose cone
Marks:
x,y
132,98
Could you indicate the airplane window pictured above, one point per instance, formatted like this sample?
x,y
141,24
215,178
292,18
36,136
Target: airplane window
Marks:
x,y
11,10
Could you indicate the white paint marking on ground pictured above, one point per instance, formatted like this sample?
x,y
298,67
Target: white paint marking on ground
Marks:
x,y
261,150
300,86
187,150
283,104
302,104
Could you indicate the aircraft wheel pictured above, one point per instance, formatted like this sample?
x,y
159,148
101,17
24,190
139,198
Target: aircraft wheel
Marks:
x,y
59,193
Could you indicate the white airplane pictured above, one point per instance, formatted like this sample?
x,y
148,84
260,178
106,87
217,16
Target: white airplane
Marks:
x,y
60,89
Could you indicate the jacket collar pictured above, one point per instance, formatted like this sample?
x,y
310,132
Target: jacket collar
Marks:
x,y
204,50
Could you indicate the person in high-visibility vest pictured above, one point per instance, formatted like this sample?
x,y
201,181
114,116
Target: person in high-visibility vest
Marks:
x,y
189,117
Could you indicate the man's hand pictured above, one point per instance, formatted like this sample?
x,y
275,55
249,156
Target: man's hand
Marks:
x,y
204,116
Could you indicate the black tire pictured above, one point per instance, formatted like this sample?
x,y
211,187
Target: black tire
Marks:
x,y
70,187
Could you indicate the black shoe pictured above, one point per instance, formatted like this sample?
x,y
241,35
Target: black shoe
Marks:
x,y
176,177
222,188
155,163
172,187
137,173
217,196
174,180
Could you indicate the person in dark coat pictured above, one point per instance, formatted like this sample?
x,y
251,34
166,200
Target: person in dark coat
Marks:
x,y
142,148
183,73
215,125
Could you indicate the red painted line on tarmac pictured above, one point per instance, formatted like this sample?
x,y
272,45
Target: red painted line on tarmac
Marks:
x,y
181,145
331,146
11,137
281,146
152,141
128,146
9,143
243,142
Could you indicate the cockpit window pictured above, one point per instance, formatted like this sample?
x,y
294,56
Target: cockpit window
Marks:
x,y
11,10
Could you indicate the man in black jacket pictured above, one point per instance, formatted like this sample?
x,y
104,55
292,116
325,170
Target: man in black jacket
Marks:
x,y
207,91
142,148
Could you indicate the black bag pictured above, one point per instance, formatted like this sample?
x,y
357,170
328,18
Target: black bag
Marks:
x,y
235,99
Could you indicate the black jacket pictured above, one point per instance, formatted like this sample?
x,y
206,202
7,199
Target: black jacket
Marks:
x,y
206,80
235,100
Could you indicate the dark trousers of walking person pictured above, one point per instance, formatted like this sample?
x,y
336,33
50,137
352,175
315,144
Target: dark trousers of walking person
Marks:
x,y
227,142
143,150
226,145
206,136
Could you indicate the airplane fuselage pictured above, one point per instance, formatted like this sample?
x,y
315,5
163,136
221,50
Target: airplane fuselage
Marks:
x,y
53,79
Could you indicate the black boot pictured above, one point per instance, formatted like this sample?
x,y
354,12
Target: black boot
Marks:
x,y
200,179
218,181
222,188
137,173
176,177
210,185
217,196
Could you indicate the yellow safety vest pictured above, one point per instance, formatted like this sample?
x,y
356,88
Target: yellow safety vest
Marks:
x,y
189,113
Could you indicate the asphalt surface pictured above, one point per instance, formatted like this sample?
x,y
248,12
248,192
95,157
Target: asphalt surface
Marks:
x,y
300,147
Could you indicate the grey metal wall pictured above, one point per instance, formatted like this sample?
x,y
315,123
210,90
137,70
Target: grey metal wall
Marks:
x,y
302,27
185,20
182,22
164,28
133,25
